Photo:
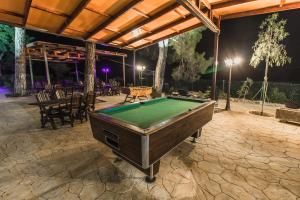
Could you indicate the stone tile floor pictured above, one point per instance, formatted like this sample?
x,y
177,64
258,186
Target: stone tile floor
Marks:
x,y
239,156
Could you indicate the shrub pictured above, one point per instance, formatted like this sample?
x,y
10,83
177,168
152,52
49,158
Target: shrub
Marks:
x,y
243,91
222,95
277,96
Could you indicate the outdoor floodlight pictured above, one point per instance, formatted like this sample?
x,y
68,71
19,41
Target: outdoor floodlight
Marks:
x,y
140,67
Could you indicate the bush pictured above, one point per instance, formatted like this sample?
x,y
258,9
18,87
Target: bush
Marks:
x,y
222,95
206,93
277,96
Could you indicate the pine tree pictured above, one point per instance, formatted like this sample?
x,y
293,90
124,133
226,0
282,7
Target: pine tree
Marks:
x,y
191,63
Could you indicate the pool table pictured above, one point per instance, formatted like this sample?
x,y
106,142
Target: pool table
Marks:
x,y
141,133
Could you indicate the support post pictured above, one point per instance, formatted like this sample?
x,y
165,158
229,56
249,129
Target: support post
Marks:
x,y
134,67
124,76
46,65
20,62
228,90
31,72
76,71
215,67
89,67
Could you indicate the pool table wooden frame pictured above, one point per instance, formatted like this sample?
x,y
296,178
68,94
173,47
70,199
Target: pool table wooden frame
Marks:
x,y
143,148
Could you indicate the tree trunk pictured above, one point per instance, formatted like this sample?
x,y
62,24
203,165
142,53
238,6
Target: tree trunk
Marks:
x,y
265,86
1,55
89,67
160,65
20,62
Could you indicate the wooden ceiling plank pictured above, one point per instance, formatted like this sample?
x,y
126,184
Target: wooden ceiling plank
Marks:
x,y
160,29
97,12
194,10
169,36
271,9
112,30
112,18
49,11
74,14
26,11
140,12
229,3
179,13
143,22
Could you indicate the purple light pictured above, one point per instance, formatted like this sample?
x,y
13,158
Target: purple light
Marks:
x,y
105,70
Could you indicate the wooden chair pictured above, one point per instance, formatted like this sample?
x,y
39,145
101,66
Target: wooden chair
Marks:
x,y
48,88
78,106
73,109
60,94
116,90
47,112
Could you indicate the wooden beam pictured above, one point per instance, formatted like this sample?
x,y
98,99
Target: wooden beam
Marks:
x,y
160,29
74,14
206,3
26,11
175,30
143,22
282,2
271,9
216,62
46,65
31,72
229,3
112,18
10,13
194,10
169,36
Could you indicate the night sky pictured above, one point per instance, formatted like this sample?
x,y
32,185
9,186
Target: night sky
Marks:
x,y
237,38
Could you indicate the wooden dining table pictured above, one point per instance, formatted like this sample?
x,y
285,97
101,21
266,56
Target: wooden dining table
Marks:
x,y
52,102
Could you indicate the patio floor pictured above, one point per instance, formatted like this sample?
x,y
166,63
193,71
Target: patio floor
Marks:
x,y
239,156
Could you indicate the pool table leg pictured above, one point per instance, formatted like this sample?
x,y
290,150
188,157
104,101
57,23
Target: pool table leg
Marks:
x,y
151,178
196,135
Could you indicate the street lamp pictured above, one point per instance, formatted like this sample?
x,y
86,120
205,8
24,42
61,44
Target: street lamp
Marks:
x,y
230,62
141,68
105,70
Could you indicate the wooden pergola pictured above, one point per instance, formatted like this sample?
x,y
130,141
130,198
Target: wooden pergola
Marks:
x,y
132,24
54,52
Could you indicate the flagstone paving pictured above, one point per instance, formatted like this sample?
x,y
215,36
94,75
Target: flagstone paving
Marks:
x,y
239,156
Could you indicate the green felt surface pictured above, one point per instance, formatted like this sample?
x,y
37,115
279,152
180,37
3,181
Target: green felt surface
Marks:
x,y
153,111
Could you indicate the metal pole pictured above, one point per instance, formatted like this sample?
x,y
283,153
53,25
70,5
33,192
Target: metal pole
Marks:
x,y
106,77
124,80
46,65
215,68
76,70
142,78
228,90
31,72
134,67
